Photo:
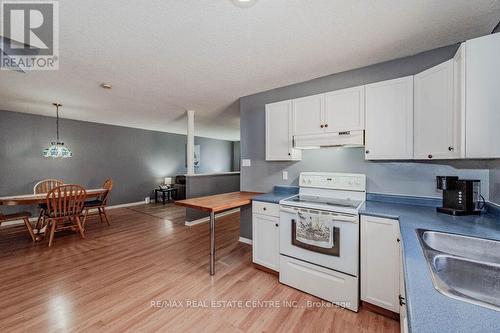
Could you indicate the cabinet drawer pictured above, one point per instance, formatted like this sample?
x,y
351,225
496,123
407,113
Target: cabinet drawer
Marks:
x,y
266,208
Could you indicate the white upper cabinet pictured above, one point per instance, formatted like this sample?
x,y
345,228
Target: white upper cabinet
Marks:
x,y
482,88
389,119
344,110
437,125
279,145
308,115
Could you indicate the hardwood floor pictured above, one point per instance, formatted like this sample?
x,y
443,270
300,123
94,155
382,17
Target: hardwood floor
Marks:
x,y
149,272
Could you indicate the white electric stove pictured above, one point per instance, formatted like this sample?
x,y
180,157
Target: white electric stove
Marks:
x,y
319,236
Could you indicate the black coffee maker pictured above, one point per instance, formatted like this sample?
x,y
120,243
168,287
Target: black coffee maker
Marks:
x,y
460,196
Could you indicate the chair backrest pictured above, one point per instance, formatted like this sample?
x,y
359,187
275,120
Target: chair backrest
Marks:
x,y
46,185
108,185
66,200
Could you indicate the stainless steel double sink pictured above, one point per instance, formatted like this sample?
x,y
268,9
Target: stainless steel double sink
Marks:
x,y
462,267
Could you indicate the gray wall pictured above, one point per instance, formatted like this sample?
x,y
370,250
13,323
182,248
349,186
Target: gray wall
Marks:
x,y
236,156
136,159
197,186
395,177
495,181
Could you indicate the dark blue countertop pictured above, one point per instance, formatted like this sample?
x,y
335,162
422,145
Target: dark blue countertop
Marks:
x,y
428,310
279,192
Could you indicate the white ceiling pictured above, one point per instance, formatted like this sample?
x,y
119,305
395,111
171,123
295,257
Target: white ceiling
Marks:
x,y
165,56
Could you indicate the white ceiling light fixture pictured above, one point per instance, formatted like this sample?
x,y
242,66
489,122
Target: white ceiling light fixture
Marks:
x,y
57,148
244,3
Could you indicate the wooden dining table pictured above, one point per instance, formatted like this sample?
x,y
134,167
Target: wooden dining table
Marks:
x,y
216,204
36,199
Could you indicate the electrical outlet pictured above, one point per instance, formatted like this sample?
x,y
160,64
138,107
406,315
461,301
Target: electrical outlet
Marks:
x,y
246,162
285,175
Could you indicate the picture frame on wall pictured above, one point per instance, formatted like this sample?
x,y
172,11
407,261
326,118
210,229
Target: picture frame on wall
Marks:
x,y
197,156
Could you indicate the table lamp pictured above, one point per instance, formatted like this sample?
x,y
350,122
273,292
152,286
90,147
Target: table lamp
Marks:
x,y
168,181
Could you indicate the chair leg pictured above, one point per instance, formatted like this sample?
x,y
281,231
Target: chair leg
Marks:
x,y
85,217
80,228
105,216
30,228
100,214
38,224
52,223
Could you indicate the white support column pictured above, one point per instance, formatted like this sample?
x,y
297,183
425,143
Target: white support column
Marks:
x,y
190,142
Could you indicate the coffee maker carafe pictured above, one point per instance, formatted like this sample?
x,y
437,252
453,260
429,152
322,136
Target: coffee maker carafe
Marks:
x,y
460,196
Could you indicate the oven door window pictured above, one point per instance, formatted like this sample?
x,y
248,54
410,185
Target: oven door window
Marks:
x,y
316,233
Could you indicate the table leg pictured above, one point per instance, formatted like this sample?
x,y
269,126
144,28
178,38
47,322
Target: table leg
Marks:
x,y
212,243
156,196
163,196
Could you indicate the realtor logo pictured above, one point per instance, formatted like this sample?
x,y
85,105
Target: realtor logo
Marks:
x,y
29,39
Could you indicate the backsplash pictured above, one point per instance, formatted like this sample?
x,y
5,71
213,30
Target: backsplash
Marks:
x,y
402,178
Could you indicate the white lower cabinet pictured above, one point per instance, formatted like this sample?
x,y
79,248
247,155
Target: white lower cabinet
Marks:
x,y
265,234
380,262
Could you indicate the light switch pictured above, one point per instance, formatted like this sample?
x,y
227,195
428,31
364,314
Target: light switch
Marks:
x,y
246,162
285,175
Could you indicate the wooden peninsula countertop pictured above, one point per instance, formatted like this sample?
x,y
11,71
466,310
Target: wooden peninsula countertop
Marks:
x,y
219,202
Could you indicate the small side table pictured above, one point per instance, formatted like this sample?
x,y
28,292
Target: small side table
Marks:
x,y
167,193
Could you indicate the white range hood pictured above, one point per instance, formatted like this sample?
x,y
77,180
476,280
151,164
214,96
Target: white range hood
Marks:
x,y
338,139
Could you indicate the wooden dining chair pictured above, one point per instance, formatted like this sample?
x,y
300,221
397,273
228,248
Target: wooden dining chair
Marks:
x,y
100,204
44,186
65,204
25,216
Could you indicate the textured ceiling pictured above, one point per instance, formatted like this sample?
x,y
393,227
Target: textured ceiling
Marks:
x,y
163,57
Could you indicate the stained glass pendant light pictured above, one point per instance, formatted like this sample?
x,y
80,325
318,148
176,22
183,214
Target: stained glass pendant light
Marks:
x,y
57,149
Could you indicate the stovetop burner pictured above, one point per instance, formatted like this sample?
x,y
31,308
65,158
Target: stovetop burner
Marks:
x,y
326,201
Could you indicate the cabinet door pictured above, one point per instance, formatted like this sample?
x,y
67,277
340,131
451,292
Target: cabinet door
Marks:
x,y
389,119
436,122
278,133
380,262
308,115
482,75
345,110
266,241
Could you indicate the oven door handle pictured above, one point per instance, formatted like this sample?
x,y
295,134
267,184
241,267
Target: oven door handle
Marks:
x,y
335,217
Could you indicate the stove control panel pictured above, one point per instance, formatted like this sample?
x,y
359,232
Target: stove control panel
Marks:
x,y
334,181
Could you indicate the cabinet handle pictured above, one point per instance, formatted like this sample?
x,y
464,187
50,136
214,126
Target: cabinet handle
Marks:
x,y
326,125
401,300
398,240
451,148
429,156
289,154
321,126
264,208
367,151
277,225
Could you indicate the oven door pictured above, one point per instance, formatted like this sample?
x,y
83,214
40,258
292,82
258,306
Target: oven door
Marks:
x,y
335,246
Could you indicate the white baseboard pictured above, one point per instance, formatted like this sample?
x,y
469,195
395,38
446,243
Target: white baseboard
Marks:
x,y
206,219
34,219
137,203
246,240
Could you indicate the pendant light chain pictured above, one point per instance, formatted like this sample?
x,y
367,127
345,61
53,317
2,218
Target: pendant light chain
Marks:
x,y
57,122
